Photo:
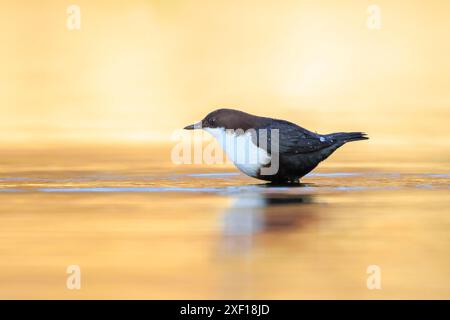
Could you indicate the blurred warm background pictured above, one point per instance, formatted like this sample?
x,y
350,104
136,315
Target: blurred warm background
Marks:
x,y
83,179
137,70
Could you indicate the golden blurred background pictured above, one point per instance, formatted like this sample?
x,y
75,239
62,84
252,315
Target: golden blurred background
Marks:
x,y
137,70
141,226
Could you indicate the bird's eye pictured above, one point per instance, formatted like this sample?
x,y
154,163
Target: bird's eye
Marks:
x,y
213,120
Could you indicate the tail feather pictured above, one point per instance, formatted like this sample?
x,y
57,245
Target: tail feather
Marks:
x,y
348,136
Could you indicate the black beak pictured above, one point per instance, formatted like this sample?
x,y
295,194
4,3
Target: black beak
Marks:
x,y
197,125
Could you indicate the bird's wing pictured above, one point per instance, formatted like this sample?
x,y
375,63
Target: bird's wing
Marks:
x,y
292,139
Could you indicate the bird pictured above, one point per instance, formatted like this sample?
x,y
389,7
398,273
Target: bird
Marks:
x,y
269,149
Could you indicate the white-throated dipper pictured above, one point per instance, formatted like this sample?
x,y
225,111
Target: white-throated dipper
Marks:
x,y
270,149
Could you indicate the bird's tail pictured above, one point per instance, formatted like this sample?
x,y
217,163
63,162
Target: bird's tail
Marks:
x,y
348,136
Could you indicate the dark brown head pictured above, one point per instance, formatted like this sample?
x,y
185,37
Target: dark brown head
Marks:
x,y
228,119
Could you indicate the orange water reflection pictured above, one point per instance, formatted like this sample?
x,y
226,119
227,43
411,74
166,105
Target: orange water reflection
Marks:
x,y
143,228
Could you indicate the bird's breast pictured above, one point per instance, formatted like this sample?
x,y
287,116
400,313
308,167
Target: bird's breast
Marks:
x,y
241,150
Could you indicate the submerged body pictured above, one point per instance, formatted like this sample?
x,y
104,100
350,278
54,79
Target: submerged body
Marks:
x,y
271,149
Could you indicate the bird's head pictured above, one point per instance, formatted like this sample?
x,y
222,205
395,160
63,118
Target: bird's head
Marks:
x,y
224,119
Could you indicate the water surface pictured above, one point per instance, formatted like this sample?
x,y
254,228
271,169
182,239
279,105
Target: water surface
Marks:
x,y
141,227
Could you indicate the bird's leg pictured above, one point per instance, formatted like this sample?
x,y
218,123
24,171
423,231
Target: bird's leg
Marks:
x,y
294,180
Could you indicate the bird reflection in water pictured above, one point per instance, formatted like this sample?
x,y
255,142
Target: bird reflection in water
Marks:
x,y
266,211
